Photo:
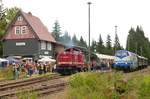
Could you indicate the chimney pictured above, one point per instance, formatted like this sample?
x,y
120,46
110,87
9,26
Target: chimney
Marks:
x,y
29,13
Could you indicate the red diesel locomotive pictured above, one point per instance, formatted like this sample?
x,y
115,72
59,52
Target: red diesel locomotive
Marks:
x,y
70,61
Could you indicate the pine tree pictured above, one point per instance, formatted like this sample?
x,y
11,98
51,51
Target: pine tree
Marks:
x,y
56,31
93,46
138,43
100,46
108,46
116,43
82,43
66,39
130,45
75,40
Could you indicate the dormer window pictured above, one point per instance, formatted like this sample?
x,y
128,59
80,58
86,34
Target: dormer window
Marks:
x,y
20,18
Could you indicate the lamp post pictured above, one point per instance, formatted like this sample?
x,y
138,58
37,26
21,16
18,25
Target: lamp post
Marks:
x,y
89,29
115,38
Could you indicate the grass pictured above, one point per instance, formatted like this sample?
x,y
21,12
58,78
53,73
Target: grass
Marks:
x,y
93,85
27,95
7,74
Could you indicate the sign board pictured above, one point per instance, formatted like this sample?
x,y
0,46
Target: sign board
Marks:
x,y
20,43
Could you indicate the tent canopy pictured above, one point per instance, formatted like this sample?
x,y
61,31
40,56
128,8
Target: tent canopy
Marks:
x,y
12,59
103,56
46,59
3,60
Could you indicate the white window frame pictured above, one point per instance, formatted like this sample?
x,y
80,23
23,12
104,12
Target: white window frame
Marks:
x,y
20,18
18,28
49,46
43,45
23,28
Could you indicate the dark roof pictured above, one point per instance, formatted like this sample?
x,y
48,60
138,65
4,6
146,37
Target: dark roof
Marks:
x,y
38,27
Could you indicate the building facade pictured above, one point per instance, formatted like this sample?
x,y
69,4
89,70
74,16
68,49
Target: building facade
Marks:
x,y
27,36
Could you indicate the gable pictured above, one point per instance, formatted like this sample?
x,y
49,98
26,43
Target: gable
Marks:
x,y
19,29
34,27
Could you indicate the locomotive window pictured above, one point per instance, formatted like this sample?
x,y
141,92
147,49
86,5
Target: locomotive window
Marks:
x,y
121,53
76,52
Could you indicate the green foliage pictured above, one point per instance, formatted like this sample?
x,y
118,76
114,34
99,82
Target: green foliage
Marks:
x,y
5,21
138,43
56,31
117,43
108,49
75,40
66,39
100,48
82,42
108,86
93,46
97,85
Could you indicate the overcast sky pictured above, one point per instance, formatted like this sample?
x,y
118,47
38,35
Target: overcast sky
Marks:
x,y
105,14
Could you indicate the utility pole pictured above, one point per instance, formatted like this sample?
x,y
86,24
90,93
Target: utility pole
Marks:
x,y
115,36
89,29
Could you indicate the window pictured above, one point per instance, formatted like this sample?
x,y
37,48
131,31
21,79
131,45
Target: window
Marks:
x,y
20,18
17,30
49,46
23,29
43,45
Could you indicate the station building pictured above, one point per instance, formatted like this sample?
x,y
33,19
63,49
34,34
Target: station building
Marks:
x,y
26,36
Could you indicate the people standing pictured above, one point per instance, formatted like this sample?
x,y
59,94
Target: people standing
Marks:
x,y
15,71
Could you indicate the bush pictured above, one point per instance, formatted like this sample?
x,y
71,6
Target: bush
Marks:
x,y
92,86
108,86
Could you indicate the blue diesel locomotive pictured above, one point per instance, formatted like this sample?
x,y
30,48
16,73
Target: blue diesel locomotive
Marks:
x,y
127,60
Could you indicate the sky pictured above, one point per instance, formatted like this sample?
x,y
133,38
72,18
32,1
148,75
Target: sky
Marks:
x,y
72,16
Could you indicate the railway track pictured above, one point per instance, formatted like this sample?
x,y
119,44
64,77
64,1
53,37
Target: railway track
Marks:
x,y
41,85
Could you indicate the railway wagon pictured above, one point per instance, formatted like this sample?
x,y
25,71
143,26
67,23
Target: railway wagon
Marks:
x,y
70,61
127,60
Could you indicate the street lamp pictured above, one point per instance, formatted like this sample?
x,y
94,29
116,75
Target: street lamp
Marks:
x,y
89,3
115,38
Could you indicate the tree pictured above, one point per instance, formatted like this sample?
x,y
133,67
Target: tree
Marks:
x,y
66,39
100,48
93,46
130,40
82,43
5,21
75,40
108,46
56,31
117,43
138,43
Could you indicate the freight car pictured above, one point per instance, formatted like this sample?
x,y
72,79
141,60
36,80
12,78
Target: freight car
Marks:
x,y
127,60
70,61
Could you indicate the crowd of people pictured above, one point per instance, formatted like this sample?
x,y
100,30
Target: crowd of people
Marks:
x,y
30,68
